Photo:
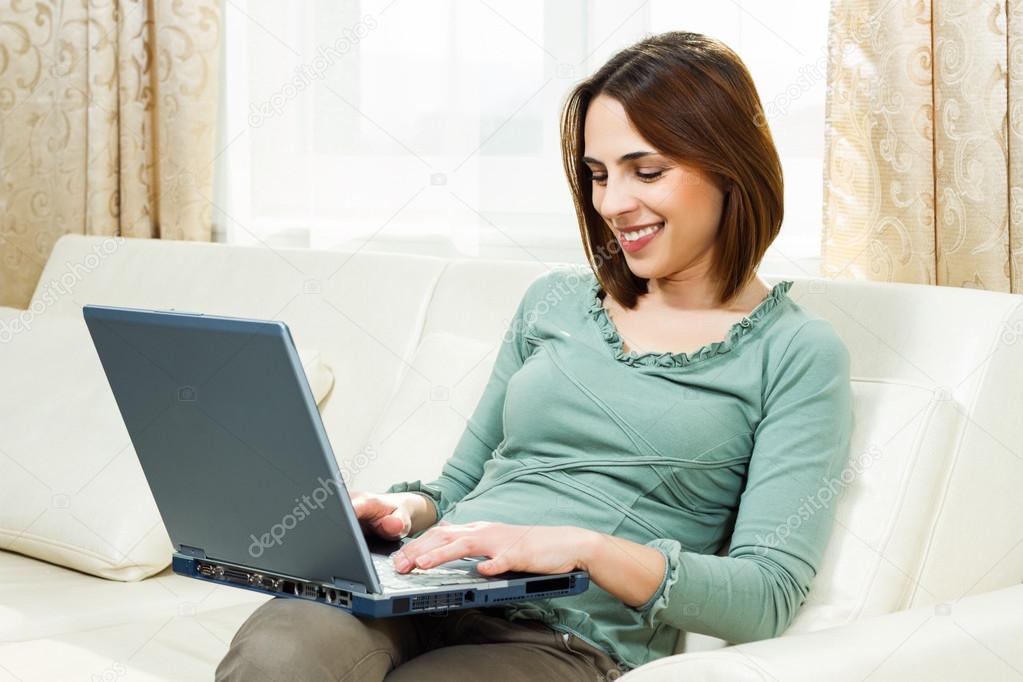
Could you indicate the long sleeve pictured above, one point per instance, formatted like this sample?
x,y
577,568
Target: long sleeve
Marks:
x,y
484,430
787,509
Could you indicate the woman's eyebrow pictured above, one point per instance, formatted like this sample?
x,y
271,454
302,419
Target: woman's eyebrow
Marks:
x,y
627,157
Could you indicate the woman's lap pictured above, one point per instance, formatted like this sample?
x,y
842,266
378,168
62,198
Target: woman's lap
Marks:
x,y
503,662
296,639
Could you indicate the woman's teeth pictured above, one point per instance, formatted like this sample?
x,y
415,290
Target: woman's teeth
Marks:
x,y
639,234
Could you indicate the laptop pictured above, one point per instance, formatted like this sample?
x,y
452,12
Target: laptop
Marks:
x,y
229,437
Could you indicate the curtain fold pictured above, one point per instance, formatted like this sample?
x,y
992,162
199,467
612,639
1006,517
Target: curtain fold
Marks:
x,y
923,161
107,125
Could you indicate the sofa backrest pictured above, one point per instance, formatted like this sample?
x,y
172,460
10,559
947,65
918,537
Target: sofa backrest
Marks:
x,y
363,312
927,510
411,340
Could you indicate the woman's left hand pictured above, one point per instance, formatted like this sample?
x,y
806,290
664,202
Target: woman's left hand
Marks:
x,y
534,549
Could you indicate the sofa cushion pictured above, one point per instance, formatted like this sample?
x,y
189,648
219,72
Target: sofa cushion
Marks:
x,y
6,316
39,599
73,490
317,373
363,311
151,648
421,425
415,433
903,443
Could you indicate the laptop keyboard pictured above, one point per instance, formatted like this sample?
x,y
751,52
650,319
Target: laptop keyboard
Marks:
x,y
417,577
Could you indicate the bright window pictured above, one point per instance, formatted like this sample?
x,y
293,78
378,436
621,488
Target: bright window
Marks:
x,y
432,126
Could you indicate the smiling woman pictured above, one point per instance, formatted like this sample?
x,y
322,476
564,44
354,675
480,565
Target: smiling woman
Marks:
x,y
582,454
696,158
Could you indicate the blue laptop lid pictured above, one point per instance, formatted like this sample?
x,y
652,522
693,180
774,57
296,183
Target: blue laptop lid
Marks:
x,y
228,434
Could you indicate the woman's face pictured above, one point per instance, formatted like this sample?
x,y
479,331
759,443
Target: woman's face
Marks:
x,y
648,189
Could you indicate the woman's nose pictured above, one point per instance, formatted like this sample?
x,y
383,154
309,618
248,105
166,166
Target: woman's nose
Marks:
x,y
617,200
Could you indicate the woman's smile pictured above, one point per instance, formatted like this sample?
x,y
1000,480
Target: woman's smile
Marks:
x,y
634,240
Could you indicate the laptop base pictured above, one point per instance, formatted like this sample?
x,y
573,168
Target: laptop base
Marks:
x,y
432,600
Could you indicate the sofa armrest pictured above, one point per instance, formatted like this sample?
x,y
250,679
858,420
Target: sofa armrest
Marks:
x,y
974,638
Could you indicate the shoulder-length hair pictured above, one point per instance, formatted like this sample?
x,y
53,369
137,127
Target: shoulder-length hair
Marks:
x,y
692,98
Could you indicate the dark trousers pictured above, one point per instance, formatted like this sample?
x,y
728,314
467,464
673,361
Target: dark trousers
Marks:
x,y
299,640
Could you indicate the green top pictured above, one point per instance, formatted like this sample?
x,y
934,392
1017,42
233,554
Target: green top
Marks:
x,y
660,448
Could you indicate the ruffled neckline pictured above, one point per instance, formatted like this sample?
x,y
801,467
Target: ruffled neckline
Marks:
x,y
736,332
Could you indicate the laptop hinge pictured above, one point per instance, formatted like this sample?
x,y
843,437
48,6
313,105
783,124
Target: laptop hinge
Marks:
x,y
193,551
348,585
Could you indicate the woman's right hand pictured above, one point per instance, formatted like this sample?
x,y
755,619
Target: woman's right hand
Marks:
x,y
392,516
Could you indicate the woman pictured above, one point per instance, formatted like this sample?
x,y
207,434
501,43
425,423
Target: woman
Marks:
x,y
639,419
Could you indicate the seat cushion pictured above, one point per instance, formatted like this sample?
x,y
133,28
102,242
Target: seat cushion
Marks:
x,y
39,599
165,647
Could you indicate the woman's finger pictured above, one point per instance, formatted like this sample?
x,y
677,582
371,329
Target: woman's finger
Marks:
x,y
462,547
367,507
427,542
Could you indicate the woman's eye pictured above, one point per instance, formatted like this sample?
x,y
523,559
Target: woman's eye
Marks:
x,y
646,177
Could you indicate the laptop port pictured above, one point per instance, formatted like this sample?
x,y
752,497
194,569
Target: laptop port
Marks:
x,y
234,575
339,598
290,587
470,596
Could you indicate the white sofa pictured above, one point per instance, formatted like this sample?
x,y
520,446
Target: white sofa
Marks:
x,y
920,581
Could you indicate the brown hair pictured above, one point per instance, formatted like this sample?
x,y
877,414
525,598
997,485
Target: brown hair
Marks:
x,y
693,99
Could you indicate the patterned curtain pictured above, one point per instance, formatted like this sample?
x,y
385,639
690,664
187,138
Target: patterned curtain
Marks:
x,y
107,125
923,160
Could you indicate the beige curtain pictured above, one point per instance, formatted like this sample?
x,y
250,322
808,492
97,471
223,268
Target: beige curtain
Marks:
x,y
923,160
107,125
